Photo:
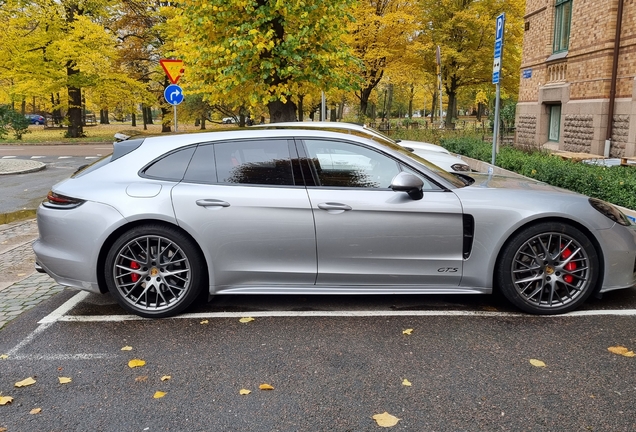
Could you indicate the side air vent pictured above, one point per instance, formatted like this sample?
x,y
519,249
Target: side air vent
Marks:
x,y
469,232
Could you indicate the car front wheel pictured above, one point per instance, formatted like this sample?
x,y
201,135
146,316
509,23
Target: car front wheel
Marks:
x,y
548,268
154,271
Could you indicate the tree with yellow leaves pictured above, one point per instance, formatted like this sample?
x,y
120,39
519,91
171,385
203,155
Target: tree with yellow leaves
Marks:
x,y
263,51
465,32
383,36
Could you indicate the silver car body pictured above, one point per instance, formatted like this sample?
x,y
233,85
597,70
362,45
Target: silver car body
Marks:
x,y
317,240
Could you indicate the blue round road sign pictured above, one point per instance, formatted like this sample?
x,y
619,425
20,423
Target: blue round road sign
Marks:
x,y
173,94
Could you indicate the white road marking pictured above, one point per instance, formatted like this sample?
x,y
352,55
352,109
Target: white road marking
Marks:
x,y
64,308
8,157
37,157
91,157
27,340
58,357
65,157
293,314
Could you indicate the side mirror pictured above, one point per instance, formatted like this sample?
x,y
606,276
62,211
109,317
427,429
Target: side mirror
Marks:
x,y
409,183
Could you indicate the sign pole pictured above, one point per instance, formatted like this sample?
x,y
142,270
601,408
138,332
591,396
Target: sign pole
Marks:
x,y
175,118
439,84
496,75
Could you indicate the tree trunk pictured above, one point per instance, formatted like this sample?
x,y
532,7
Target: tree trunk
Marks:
x,y
451,109
24,107
149,115
74,114
203,123
300,107
134,120
281,112
166,120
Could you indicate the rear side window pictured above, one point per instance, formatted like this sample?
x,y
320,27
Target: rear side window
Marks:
x,y
262,162
171,166
202,168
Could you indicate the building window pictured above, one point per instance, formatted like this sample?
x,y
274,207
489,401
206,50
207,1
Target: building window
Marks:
x,y
562,21
555,122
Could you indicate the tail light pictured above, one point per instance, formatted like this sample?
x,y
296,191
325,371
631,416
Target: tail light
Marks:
x,y
58,201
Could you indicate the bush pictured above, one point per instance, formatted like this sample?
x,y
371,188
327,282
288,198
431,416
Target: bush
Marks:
x,y
11,120
616,185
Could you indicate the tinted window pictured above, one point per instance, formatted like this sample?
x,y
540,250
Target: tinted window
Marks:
x,y
202,169
171,166
350,165
265,162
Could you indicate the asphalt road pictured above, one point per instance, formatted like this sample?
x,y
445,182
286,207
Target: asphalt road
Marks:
x,y
329,372
26,191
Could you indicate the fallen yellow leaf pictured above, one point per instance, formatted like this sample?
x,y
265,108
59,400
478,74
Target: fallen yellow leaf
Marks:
x,y
25,382
159,394
621,350
407,331
64,380
5,400
406,383
245,391
246,319
127,348
204,322
35,411
165,378
4,357
537,363
136,363
385,419
265,387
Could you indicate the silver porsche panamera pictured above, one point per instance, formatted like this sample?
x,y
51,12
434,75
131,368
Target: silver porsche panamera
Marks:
x,y
165,219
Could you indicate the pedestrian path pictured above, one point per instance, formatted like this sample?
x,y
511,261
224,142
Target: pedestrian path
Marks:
x,y
21,287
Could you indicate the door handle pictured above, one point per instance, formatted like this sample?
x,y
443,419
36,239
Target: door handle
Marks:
x,y
212,203
334,206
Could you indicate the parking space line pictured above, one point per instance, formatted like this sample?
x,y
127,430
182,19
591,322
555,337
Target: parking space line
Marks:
x,y
350,314
64,308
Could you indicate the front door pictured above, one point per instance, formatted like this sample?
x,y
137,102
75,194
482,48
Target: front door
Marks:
x,y
367,234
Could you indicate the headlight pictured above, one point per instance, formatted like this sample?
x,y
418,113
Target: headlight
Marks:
x,y
460,167
610,211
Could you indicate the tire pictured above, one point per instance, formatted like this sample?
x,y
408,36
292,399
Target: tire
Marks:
x,y
37,123
548,268
154,271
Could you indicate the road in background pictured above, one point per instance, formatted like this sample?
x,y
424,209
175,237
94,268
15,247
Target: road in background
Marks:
x,y
26,191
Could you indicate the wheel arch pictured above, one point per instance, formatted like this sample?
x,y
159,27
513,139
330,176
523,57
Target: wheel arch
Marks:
x,y
110,240
575,224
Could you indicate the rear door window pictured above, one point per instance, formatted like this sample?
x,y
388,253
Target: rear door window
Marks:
x,y
261,162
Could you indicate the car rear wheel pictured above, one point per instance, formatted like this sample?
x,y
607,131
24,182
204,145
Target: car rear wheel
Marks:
x,y
154,271
548,268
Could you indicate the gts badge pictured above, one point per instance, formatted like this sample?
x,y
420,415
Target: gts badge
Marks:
x,y
447,270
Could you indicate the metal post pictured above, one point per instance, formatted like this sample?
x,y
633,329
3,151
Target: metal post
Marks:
x,y
323,107
495,129
175,118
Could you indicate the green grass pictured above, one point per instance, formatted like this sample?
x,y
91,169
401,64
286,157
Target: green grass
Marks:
x,y
39,135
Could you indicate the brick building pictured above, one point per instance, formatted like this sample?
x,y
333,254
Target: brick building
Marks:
x,y
576,73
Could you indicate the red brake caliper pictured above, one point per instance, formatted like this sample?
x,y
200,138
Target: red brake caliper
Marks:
x,y
571,266
135,266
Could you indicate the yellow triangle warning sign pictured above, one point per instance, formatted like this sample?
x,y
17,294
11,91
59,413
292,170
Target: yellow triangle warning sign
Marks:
x,y
173,68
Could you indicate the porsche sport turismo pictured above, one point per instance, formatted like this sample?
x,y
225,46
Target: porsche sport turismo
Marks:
x,y
298,211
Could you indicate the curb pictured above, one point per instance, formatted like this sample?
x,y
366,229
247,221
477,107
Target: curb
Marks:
x,y
19,166
18,215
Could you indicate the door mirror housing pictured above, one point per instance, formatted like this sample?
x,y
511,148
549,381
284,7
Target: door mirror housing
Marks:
x,y
409,183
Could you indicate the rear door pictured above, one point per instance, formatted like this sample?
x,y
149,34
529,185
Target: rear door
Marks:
x,y
246,203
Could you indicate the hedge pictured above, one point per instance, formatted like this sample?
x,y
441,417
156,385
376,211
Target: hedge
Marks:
x,y
616,185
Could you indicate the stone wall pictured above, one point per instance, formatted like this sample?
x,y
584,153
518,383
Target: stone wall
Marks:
x,y
620,133
578,133
526,126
